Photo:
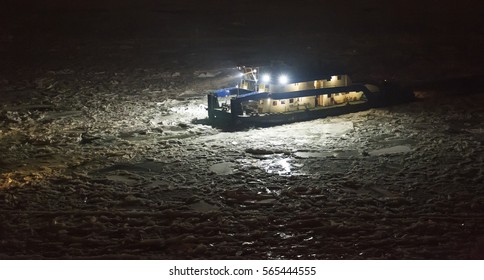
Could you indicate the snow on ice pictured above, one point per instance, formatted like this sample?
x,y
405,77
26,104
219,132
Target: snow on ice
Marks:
x,y
143,178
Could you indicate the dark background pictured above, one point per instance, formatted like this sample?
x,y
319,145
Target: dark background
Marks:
x,y
404,40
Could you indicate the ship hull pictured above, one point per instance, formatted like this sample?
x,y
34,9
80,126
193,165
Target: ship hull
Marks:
x,y
227,120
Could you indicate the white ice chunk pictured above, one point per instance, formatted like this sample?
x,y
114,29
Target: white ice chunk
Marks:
x,y
338,128
318,128
391,150
223,168
312,154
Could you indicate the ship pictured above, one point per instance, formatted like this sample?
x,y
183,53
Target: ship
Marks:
x,y
263,98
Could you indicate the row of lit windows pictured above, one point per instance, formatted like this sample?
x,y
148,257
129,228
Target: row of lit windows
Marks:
x,y
291,100
283,102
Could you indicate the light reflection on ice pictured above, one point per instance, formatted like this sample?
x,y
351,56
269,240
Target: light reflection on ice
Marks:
x,y
281,166
283,150
273,164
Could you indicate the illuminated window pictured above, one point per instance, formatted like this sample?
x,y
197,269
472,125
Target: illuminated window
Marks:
x,y
274,103
291,100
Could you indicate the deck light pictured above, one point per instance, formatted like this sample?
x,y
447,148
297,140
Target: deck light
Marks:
x,y
283,79
266,78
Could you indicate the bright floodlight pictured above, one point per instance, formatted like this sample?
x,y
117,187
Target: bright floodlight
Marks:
x,y
266,78
283,79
